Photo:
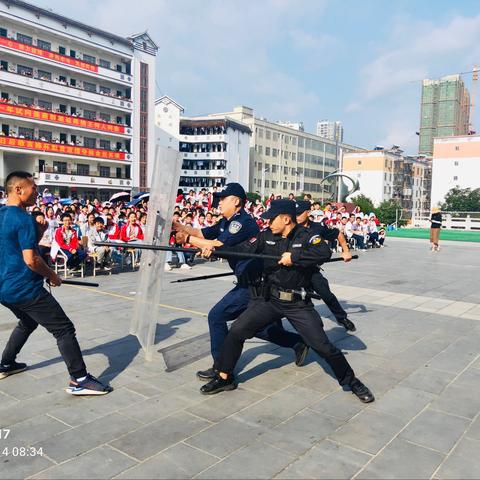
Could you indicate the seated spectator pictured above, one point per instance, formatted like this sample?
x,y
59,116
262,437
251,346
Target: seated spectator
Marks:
x,y
99,234
67,239
131,231
89,225
113,230
357,232
373,232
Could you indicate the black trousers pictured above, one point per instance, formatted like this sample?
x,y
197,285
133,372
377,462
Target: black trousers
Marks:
x,y
304,318
322,288
46,311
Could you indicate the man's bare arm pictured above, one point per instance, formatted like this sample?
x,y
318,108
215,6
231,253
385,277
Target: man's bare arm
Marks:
x,y
36,263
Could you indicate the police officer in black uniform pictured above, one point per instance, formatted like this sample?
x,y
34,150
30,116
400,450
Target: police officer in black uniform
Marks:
x,y
235,227
319,282
277,297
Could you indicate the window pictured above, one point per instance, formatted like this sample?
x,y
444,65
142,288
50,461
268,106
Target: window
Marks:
x,y
275,136
105,90
90,114
45,135
104,63
5,96
268,134
25,100
90,142
260,133
294,157
61,50
44,75
25,132
455,163
457,147
104,171
301,142
73,53
105,144
119,68
274,152
89,87
285,170
62,108
267,151
45,105
44,45
260,149
105,117
455,178
27,71
285,185
83,169
62,79
274,168
73,82
89,58
3,32
259,166
285,154
274,184
24,38
60,167
267,183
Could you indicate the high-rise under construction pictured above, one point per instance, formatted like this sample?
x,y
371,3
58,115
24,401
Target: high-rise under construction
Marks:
x,y
445,111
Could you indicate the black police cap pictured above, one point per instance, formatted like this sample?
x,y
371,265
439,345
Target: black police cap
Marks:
x,y
234,189
281,206
303,206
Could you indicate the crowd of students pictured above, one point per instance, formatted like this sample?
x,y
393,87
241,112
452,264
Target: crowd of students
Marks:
x,y
71,228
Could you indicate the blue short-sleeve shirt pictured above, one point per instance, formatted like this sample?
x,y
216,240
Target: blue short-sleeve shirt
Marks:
x,y
18,232
230,232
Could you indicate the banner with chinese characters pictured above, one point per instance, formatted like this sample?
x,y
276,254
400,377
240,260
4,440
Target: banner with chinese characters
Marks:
x,y
60,148
35,114
56,57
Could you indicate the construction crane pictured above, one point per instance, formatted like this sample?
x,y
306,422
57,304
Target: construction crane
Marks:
x,y
473,94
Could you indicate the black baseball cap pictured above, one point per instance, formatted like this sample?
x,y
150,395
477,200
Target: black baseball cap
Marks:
x,y
277,207
234,189
303,206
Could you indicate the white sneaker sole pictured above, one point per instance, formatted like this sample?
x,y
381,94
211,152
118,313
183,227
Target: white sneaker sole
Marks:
x,y
79,393
13,372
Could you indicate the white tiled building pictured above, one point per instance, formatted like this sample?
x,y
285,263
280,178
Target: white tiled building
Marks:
x,y
76,103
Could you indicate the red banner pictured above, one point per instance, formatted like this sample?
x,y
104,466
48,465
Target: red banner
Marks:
x,y
56,57
35,114
60,148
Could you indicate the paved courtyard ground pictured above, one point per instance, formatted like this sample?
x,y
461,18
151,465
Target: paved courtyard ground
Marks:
x,y
417,346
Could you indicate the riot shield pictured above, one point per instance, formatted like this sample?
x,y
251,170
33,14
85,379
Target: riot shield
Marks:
x,y
146,309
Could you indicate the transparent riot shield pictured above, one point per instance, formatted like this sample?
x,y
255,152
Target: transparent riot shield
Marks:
x,y
146,309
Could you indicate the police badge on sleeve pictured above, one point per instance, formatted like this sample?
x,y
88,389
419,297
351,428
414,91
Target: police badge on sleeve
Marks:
x,y
234,227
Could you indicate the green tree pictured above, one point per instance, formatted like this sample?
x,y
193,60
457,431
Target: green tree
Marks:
x,y
462,200
365,204
387,212
253,197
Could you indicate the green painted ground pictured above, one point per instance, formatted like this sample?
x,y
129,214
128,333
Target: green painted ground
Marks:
x,y
458,235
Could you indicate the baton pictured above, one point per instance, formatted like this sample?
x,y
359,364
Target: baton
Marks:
x,y
83,284
217,275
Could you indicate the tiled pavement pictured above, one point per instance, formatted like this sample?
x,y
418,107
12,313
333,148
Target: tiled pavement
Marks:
x,y
417,347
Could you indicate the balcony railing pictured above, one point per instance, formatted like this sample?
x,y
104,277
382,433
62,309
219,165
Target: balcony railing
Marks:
x,y
204,155
63,88
62,149
204,173
58,57
39,114
44,178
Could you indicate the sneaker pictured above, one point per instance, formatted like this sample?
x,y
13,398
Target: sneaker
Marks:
x,y
218,384
89,386
348,324
208,374
185,266
167,267
11,369
437,248
301,352
361,391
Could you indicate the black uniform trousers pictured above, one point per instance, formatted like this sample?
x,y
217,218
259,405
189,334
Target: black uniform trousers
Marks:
x,y
304,318
322,288
46,311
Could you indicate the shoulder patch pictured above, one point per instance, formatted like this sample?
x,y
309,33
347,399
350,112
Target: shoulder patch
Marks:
x,y
269,242
234,227
315,240
253,239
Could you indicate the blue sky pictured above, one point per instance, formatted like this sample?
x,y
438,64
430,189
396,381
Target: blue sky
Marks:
x,y
361,62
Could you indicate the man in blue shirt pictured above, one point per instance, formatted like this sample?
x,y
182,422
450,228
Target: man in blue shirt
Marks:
x,y
236,226
22,272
